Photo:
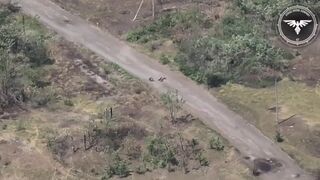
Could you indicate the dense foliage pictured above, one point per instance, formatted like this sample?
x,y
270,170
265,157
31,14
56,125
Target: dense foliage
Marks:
x,y
238,50
160,153
269,9
213,61
21,55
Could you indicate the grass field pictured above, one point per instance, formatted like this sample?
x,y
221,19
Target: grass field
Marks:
x,y
301,133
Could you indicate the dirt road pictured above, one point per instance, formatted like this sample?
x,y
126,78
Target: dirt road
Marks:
x,y
245,137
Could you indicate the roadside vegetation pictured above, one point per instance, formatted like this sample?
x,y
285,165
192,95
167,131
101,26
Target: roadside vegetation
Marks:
x,y
23,59
236,49
237,53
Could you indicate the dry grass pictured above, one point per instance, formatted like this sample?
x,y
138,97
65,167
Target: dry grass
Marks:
x,y
301,132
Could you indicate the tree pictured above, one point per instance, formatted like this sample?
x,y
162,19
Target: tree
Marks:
x,y
7,78
173,102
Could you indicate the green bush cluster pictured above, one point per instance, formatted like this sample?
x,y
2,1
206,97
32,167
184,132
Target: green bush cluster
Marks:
x,y
165,25
265,9
216,143
160,154
215,61
202,160
165,59
268,10
119,168
239,52
20,57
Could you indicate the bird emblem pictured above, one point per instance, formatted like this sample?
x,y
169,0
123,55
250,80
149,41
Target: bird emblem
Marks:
x,y
297,24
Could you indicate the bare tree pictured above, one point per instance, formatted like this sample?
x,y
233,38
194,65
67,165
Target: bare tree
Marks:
x,y
173,102
141,3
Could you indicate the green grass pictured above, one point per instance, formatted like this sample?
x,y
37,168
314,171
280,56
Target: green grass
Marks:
x,y
294,98
297,98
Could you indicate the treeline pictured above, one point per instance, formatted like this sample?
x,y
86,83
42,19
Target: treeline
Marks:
x,y
22,54
237,49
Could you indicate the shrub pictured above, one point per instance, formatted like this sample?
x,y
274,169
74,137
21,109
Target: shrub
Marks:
x,y
141,169
202,160
106,69
35,50
119,167
279,137
160,154
19,55
232,25
215,80
164,59
43,96
68,102
265,9
59,145
216,143
214,61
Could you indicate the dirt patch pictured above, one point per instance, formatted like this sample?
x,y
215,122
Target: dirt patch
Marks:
x,y
20,160
306,70
306,67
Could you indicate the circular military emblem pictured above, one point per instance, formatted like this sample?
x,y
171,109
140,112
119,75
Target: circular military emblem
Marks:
x,y
298,25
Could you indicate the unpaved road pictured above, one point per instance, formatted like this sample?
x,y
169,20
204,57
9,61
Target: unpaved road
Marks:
x,y
245,137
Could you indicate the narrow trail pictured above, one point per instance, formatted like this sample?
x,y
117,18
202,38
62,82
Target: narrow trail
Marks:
x,y
244,136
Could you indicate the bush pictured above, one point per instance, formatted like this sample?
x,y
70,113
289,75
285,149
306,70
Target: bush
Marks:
x,y
202,160
265,9
59,145
119,167
141,169
164,59
35,50
279,137
216,143
19,55
43,96
68,102
214,61
160,154
215,80
232,25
